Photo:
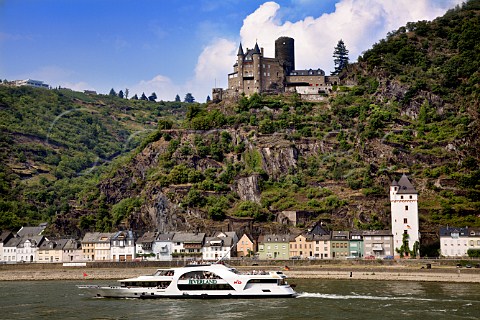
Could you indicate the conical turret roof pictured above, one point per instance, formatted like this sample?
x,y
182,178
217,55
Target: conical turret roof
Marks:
x,y
406,186
240,50
256,50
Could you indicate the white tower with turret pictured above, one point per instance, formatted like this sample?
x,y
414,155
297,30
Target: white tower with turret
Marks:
x,y
404,207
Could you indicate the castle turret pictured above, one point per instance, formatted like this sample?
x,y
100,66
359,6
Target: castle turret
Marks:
x,y
404,207
240,58
257,68
285,53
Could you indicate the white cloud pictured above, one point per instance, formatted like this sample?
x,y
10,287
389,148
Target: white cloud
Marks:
x,y
213,65
360,23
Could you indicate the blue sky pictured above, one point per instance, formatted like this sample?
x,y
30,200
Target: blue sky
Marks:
x,y
174,47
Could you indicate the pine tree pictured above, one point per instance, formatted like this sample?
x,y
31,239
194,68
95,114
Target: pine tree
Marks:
x,y
112,92
177,98
152,97
143,97
189,98
208,99
120,94
135,97
340,57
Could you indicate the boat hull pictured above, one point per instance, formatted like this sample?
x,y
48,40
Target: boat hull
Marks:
x,y
153,293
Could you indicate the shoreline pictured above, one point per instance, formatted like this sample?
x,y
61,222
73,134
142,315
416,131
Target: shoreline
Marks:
x,y
378,273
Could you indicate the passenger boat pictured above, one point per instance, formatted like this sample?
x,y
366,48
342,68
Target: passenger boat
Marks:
x,y
199,281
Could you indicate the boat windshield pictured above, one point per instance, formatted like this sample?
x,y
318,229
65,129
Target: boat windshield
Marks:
x,y
165,273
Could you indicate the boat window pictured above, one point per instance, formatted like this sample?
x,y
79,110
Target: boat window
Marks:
x,y
166,273
147,284
262,281
205,286
199,275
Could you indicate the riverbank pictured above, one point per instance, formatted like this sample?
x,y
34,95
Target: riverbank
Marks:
x,y
439,274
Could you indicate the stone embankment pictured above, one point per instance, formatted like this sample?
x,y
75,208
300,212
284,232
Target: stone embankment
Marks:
x,y
344,271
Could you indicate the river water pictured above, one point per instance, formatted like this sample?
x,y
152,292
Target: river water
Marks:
x,y
320,299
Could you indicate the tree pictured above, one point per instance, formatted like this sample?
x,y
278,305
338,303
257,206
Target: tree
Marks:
x,y
189,98
126,93
340,57
120,94
143,97
112,93
135,97
152,97
177,98
208,99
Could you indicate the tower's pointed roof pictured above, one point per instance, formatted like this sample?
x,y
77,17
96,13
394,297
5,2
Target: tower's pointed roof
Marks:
x,y
405,186
240,50
256,50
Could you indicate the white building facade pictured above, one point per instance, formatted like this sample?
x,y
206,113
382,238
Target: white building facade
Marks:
x,y
455,242
404,214
122,246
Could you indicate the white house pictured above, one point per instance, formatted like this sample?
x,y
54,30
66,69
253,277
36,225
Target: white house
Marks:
x,y
5,236
31,83
216,248
455,242
144,246
404,207
163,246
122,246
10,249
27,248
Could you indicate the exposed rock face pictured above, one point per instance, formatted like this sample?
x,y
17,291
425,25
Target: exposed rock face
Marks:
x,y
161,209
247,188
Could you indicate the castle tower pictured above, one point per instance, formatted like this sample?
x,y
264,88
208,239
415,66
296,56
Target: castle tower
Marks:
x,y
240,58
404,207
257,69
285,53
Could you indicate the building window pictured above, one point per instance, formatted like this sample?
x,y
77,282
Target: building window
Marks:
x,y
405,220
406,208
401,197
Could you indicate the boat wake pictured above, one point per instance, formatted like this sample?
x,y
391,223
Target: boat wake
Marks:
x,y
361,297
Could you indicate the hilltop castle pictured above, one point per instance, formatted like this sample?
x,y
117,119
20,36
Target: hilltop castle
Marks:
x,y
255,73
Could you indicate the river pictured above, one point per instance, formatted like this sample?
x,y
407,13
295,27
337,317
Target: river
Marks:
x,y
320,299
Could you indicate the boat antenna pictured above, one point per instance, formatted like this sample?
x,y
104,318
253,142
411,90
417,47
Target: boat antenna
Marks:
x,y
223,257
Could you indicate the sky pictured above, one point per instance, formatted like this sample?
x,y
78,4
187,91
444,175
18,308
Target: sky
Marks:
x,y
175,47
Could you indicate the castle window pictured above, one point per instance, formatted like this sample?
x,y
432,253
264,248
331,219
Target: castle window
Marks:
x,y
405,220
406,208
401,197
411,197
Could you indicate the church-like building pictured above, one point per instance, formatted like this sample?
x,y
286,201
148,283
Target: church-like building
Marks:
x,y
255,73
404,207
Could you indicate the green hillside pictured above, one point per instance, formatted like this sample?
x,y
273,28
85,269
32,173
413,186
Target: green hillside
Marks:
x,y
55,142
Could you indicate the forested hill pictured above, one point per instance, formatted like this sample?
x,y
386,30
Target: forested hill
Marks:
x,y
410,105
54,143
